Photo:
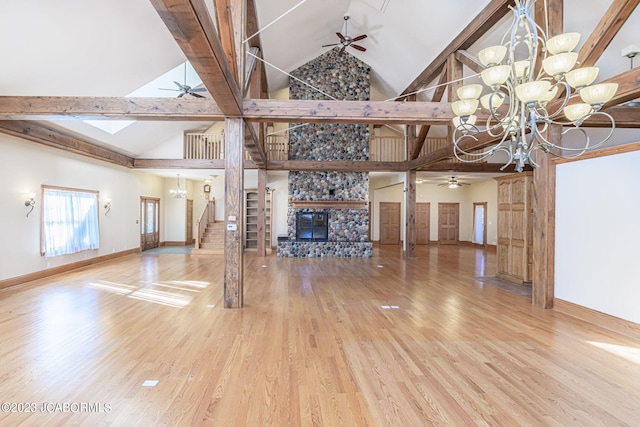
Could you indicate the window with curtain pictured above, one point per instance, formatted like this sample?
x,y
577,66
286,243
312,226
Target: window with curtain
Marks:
x,y
69,221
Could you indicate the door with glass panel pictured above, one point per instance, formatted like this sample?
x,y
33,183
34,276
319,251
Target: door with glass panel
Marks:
x,y
150,223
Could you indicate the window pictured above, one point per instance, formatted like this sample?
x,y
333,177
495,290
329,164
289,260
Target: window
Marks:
x,y
69,221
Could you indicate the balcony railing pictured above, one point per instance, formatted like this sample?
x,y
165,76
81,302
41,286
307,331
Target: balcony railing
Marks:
x,y
204,146
209,146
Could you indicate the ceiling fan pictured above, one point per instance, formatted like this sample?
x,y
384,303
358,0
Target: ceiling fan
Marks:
x,y
346,40
452,183
185,89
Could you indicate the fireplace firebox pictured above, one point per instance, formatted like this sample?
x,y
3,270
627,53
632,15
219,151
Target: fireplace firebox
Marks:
x,y
312,226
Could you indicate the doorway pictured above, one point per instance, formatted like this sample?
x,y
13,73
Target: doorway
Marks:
x,y
480,224
423,219
189,240
448,227
389,223
149,223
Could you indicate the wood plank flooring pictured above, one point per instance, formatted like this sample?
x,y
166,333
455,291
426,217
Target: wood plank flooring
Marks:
x,y
315,345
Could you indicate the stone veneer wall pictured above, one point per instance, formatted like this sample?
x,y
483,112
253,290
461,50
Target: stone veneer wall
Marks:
x,y
342,77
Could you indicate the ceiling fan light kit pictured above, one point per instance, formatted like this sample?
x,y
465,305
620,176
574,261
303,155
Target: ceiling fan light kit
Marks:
x,y
511,74
346,40
452,183
185,89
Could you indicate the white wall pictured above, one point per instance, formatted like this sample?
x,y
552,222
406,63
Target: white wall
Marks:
x,y
25,166
598,234
279,182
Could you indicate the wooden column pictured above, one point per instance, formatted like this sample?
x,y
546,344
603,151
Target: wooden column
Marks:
x,y
410,214
544,219
262,196
234,185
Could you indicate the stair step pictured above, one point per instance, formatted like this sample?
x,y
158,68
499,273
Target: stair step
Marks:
x,y
214,245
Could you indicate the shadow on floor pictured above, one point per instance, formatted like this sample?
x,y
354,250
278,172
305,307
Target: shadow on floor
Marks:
x,y
515,288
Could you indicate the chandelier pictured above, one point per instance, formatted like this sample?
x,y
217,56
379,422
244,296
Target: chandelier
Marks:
x,y
178,193
519,126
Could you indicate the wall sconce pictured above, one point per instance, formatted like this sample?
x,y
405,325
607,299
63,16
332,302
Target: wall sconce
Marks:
x,y
30,202
107,207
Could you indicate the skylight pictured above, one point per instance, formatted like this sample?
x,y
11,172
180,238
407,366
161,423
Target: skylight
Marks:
x,y
163,87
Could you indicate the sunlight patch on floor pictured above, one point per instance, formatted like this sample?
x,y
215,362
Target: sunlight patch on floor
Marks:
x,y
175,296
630,353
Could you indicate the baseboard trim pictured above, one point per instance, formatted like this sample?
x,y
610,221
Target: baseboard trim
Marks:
x,y
589,315
173,243
19,280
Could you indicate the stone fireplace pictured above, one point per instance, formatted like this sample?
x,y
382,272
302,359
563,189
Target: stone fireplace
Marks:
x,y
339,197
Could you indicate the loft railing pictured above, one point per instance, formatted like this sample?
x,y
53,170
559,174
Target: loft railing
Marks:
x,y
278,147
204,146
209,146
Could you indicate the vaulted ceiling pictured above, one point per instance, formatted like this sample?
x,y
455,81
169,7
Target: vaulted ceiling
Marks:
x,y
91,48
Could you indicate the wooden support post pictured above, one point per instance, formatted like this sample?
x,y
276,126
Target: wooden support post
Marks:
x,y
262,196
410,214
234,185
544,219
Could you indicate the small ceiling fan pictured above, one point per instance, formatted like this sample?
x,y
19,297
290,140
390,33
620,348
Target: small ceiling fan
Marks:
x,y
346,40
452,183
185,89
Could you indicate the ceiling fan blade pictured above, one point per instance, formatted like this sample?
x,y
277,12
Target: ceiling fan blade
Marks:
x,y
196,95
340,36
199,89
355,39
174,90
181,95
179,85
360,48
341,50
334,44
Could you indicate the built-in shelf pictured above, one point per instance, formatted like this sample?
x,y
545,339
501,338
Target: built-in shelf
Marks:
x,y
328,204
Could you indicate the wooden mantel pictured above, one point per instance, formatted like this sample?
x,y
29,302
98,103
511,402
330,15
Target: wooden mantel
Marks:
x,y
328,204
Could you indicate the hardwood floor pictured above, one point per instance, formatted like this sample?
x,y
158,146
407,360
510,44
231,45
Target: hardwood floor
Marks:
x,y
314,345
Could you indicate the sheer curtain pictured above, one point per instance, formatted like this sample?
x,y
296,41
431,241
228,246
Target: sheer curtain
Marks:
x,y
69,221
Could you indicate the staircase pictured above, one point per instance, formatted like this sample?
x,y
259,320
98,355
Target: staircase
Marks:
x,y
210,234
212,241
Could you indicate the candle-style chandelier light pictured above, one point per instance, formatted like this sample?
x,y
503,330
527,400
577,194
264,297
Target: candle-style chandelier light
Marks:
x,y
519,126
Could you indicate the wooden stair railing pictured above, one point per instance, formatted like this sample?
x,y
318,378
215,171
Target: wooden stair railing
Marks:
x,y
208,215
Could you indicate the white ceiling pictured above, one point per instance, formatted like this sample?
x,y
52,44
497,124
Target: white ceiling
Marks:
x,y
110,48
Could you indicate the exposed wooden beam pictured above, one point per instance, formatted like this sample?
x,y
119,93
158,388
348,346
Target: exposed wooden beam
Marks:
x,y
51,137
487,18
438,94
365,112
466,167
190,24
628,90
96,108
224,20
263,110
469,60
255,150
255,41
625,117
178,164
249,78
605,31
